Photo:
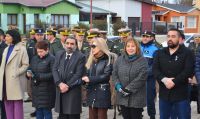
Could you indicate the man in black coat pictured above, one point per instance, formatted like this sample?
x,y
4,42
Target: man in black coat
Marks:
x,y
67,70
172,67
2,47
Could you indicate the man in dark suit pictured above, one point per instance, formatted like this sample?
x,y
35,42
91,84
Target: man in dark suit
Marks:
x,y
2,47
67,70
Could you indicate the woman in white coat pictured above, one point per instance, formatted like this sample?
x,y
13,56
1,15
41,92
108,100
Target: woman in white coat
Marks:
x,y
12,72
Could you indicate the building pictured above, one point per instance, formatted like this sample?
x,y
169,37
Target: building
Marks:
x,y
25,13
184,17
133,12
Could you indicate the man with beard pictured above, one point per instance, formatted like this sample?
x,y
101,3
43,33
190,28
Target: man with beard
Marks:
x,y
67,70
172,67
148,49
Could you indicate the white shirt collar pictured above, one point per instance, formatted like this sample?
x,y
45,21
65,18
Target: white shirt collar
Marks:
x,y
68,54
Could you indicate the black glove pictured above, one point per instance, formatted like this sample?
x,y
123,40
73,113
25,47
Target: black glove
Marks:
x,y
125,92
35,79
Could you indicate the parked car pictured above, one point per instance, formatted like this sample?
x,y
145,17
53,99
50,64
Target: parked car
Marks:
x,y
113,38
188,38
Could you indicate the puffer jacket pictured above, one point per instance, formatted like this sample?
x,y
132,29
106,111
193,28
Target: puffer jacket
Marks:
x,y
43,91
99,94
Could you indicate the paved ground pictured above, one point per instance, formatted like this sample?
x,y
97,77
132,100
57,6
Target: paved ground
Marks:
x,y
84,115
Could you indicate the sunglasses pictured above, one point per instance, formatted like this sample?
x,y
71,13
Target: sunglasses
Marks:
x,y
93,46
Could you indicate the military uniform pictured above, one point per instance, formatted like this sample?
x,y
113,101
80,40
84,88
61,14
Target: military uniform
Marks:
x,y
64,33
109,43
56,45
124,33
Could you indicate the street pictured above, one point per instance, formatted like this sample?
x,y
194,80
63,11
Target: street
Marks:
x,y
28,108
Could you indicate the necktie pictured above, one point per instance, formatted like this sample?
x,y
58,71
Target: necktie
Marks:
x,y
67,61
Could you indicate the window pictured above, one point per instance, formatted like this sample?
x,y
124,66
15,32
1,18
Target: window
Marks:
x,y
191,22
175,19
36,17
12,19
62,20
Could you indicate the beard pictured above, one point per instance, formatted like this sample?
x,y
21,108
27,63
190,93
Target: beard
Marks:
x,y
172,45
70,50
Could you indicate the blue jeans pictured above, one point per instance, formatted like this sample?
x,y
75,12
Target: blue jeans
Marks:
x,y
174,114
182,109
43,113
151,95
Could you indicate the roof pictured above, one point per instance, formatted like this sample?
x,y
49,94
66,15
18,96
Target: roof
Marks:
x,y
86,9
160,12
147,1
177,7
36,3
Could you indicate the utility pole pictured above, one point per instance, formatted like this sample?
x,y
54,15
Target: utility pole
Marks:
x,y
90,14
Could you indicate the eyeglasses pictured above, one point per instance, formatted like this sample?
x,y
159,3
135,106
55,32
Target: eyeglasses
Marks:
x,y
93,46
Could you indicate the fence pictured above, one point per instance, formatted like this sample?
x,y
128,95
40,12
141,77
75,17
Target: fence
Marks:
x,y
157,27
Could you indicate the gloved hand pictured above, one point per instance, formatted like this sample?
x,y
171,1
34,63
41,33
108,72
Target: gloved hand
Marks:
x,y
125,92
118,86
35,79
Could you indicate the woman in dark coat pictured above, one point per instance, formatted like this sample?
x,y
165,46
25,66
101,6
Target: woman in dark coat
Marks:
x,y
99,67
129,76
43,87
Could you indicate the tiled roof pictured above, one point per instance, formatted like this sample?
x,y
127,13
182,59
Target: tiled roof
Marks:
x,y
35,3
177,7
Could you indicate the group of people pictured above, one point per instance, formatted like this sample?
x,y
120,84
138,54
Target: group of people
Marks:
x,y
75,70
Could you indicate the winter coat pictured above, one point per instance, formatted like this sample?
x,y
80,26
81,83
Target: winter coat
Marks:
x,y
179,65
132,74
71,100
14,71
42,83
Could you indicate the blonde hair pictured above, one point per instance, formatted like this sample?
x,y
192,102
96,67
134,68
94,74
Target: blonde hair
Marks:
x,y
102,45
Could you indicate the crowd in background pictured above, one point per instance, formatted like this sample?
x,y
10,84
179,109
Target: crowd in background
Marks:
x,y
76,70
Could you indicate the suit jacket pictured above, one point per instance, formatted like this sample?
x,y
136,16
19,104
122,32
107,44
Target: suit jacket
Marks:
x,y
14,71
71,100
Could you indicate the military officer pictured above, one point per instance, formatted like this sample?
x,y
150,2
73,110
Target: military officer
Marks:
x,y
55,44
103,34
63,33
124,33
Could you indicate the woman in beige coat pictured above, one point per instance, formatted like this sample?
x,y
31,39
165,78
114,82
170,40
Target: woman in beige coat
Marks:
x,y
12,71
